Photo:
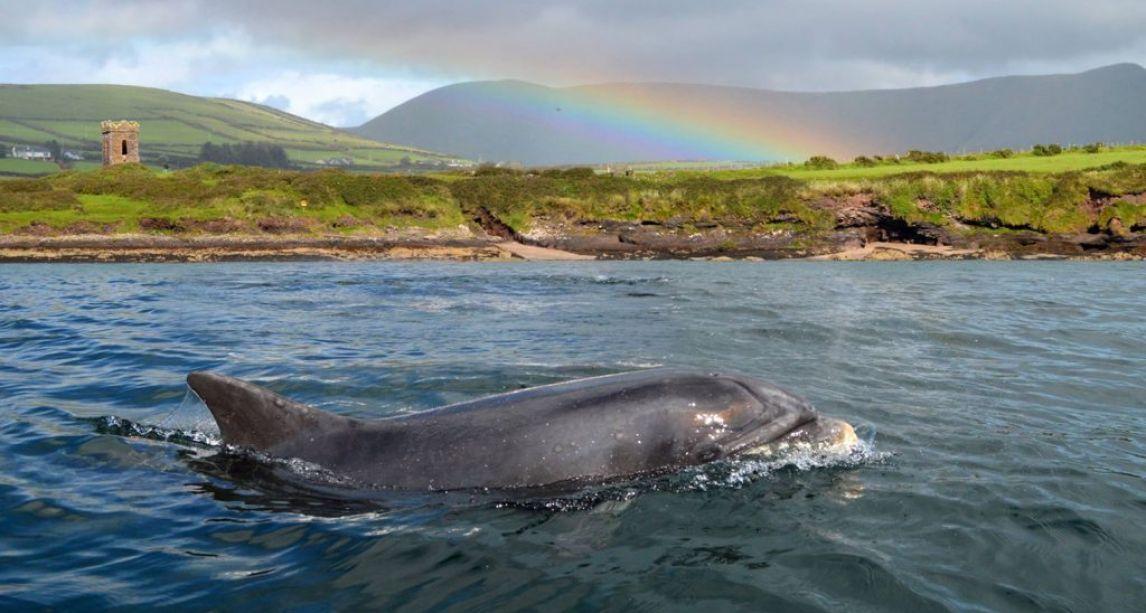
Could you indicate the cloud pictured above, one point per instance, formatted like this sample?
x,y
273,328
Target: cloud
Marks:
x,y
149,62
345,60
333,99
801,44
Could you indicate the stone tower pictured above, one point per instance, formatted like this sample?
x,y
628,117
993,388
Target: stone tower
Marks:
x,y
120,142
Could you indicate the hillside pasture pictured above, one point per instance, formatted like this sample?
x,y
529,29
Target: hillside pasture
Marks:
x,y
174,126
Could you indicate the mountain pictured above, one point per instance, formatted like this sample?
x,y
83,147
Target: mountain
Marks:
x,y
538,125
174,126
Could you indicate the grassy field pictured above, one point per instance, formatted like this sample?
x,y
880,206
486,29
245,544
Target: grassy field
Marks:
x,y
1025,161
1064,162
211,199
10,166
174,126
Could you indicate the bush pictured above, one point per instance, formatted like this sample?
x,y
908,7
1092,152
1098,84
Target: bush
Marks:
x,y
927,157
1003,153
1093,147
580,172
865,161
1046,150
490,170
821,162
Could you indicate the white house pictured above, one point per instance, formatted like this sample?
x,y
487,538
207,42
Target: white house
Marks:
x,y
30,153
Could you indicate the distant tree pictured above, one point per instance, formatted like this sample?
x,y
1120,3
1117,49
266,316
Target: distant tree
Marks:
x,y
1094,147
208,152
865,161
1046,150
1003,153
245,154
53,146
821,162
405,162
3,151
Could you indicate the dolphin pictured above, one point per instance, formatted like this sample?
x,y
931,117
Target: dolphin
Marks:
x,y
587,430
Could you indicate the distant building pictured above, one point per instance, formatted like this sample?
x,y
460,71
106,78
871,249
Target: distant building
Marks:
x,y
120,142
31,153
73,156
335,162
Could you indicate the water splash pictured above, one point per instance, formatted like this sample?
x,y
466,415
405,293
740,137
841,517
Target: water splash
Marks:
x,y
744,471
125,427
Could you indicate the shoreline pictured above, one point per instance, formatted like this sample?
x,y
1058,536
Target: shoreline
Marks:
x,y
242,248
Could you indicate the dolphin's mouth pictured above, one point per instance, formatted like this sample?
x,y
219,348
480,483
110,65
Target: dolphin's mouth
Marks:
x,y
821,434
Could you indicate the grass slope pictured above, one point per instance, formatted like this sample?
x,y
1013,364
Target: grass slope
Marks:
x,y
174,125
212,199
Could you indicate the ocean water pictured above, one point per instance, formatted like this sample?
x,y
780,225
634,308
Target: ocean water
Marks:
x,y
1003,404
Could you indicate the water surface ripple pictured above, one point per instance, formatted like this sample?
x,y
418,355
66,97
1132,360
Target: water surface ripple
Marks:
x,y
1007,398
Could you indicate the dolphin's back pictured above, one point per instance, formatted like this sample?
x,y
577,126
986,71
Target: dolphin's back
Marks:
x,y
589,428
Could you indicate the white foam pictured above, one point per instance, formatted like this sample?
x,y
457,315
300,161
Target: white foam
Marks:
x,y
744,470
125,427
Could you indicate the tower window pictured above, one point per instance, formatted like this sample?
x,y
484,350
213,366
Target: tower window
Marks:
x,y
124,147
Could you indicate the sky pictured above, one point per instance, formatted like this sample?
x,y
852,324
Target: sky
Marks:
x,y
342,62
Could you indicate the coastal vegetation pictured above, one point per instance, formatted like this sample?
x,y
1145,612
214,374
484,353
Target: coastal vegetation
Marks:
x,y
215,199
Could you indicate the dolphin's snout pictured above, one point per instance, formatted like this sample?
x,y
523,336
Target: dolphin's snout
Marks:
x,y
823,434
841,434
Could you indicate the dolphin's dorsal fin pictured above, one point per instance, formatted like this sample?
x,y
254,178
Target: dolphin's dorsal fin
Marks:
x,y
252,416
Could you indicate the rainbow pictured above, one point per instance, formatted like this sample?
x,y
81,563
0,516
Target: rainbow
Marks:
x,y
641,122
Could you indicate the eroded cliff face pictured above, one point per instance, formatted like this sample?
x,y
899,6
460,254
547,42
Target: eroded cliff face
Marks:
x,y
860,221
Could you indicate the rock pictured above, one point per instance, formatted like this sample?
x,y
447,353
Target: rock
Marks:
x,y
936,234
1028,238
859,216
1089,241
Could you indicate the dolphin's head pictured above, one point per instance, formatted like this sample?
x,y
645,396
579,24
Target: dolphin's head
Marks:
x,y
751,417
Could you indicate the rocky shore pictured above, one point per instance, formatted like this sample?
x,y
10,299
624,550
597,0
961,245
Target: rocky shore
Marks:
x,y
647,241
608,241
863,230
141,248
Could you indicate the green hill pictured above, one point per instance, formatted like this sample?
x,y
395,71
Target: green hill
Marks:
x,y
174,127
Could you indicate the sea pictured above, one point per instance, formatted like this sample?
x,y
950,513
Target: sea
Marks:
x,y
1001,405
